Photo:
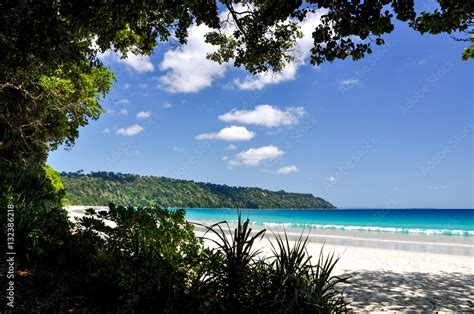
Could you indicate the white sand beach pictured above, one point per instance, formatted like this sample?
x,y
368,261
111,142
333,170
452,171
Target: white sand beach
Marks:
x,y
389,272
397,273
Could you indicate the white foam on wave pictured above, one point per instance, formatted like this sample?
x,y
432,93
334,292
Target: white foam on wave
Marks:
x,y
447,232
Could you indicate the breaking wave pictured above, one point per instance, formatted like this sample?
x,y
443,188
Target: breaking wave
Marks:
x,y
447,232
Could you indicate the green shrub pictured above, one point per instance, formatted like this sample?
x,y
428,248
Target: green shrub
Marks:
x,y
41,224
148,259
143,262
55,188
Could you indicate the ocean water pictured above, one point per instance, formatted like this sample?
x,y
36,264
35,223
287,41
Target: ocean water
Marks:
x,y
445,222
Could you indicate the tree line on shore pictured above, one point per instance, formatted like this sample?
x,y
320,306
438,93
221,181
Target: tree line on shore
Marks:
x,y
100,188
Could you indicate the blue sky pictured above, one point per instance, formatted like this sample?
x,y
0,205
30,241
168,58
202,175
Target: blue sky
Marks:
x,y
392,130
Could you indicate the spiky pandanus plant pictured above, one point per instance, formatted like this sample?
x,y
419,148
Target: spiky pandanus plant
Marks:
x,y
285,282
298,284
237,259
325,292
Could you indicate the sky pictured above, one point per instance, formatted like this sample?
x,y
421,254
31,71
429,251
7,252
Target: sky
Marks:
x,y
394,130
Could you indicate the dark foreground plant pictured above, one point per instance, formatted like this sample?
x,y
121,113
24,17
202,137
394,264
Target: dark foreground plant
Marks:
x,y
144,260
35,193
148,259
236,264
285,282
299,283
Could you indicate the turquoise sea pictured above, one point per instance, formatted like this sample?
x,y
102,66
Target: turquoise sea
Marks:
x,y
448,222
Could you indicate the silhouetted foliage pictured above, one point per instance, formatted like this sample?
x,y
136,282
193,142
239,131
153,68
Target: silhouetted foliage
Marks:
x,y
52,81
287,281
148,259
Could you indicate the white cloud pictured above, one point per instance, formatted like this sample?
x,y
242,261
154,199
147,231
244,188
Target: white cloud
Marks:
x,y
231,133
265,115
260,80
126,86
123,112
308,25
188,70
167,104
123,101
130,131
331,179
255,156
138,63
178,149
106,131
287,170
348,82
143,115
231,147
225,158
300,53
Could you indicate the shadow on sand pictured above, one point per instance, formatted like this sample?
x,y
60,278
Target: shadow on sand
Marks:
x,y
389,291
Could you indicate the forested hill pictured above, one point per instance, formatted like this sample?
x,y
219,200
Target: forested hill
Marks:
x,y
101,188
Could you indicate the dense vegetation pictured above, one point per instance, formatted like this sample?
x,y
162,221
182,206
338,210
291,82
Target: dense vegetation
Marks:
x,y
52,83
99,188
151,261
37,194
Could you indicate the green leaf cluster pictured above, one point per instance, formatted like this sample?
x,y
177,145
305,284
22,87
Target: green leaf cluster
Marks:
x,y
142,259
37,196
51,80
148,259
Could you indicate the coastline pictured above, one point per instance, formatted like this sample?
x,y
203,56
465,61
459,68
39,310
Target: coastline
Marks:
x,y
389,271
440,244
395,275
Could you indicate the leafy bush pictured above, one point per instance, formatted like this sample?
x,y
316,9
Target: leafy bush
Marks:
x,y
148,259
41,224
143,261
55,187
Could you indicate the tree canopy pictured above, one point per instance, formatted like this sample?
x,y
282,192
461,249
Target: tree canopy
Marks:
x,y
51,80
265,30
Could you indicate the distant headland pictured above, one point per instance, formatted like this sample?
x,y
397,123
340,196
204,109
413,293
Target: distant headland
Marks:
x,y
101,188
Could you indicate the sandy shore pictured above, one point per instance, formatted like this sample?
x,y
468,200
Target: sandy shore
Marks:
x,y
391,272
394,273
